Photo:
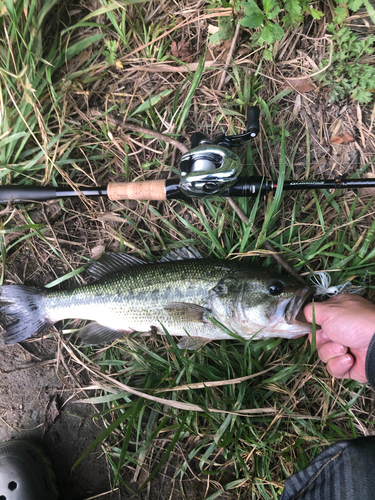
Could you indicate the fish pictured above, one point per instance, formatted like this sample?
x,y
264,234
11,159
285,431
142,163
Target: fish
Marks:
x,y
191,297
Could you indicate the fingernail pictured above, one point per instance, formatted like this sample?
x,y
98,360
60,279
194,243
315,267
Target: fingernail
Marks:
x,y
338,348
324,336
346,360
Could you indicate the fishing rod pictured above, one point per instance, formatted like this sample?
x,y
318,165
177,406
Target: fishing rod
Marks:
x,y
209,168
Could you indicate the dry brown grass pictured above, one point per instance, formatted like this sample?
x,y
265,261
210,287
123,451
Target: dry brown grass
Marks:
x,y
97,109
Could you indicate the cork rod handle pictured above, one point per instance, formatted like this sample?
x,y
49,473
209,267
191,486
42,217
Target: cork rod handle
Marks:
x,y
145,190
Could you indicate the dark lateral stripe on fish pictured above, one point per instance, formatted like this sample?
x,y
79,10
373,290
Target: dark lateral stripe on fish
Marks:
x,y
188,297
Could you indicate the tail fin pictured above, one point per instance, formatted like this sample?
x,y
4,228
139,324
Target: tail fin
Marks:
x,y
21,312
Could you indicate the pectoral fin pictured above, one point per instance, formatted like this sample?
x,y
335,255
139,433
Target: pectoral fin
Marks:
x,y
185,312
192,343
93,334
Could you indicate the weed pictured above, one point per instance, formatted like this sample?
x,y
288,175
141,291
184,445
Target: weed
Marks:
x,y
268,20
261,410
342,9
348,76
110,52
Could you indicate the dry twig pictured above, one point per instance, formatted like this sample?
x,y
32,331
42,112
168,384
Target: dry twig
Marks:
x,y
141,130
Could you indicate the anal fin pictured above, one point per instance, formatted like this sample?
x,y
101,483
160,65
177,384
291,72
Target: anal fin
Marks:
x,y
94,333
192,343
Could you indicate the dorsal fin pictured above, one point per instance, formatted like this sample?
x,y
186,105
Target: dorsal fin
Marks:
x,y
112,262
184,253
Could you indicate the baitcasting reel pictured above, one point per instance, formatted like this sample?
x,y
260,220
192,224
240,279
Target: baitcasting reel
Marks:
x,y
211,167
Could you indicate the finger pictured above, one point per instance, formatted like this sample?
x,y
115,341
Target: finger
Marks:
x,y
322,310
320,338
331,350
319,312
340,367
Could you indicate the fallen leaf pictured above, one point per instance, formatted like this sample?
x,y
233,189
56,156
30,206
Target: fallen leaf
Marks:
x,y
301,85
212,29
297,105
174,49
227,44
181,50
347,137
336,140
97,251
219,51
52,412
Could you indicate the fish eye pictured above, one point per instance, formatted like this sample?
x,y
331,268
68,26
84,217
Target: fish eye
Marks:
x,y
276,288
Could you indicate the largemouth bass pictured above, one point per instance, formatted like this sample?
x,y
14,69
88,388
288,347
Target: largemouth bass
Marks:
x,y
189,298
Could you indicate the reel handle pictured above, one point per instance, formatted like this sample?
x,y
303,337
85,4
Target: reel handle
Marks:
x,y
252,116
253,127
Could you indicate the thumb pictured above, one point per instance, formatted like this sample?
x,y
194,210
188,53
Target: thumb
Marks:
x,y
318,310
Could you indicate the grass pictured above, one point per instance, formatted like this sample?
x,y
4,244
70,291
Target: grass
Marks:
x,y
255,425
235,417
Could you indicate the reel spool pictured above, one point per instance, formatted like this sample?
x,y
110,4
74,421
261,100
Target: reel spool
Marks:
x,y
211,167
208,170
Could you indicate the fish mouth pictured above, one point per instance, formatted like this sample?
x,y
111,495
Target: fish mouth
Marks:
x,y
293,312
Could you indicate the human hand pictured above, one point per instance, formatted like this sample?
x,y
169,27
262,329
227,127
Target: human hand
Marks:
x,y
347,326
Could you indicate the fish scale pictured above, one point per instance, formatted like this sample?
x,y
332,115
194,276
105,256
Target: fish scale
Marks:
x,y
136,298
180,295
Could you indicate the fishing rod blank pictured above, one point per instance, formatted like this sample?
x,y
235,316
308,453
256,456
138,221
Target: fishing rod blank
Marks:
x,y
251,186
170,189
244,187
17,194
210,168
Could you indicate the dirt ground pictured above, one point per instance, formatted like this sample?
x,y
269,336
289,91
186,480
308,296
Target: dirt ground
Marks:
x,y
37,397
37,405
